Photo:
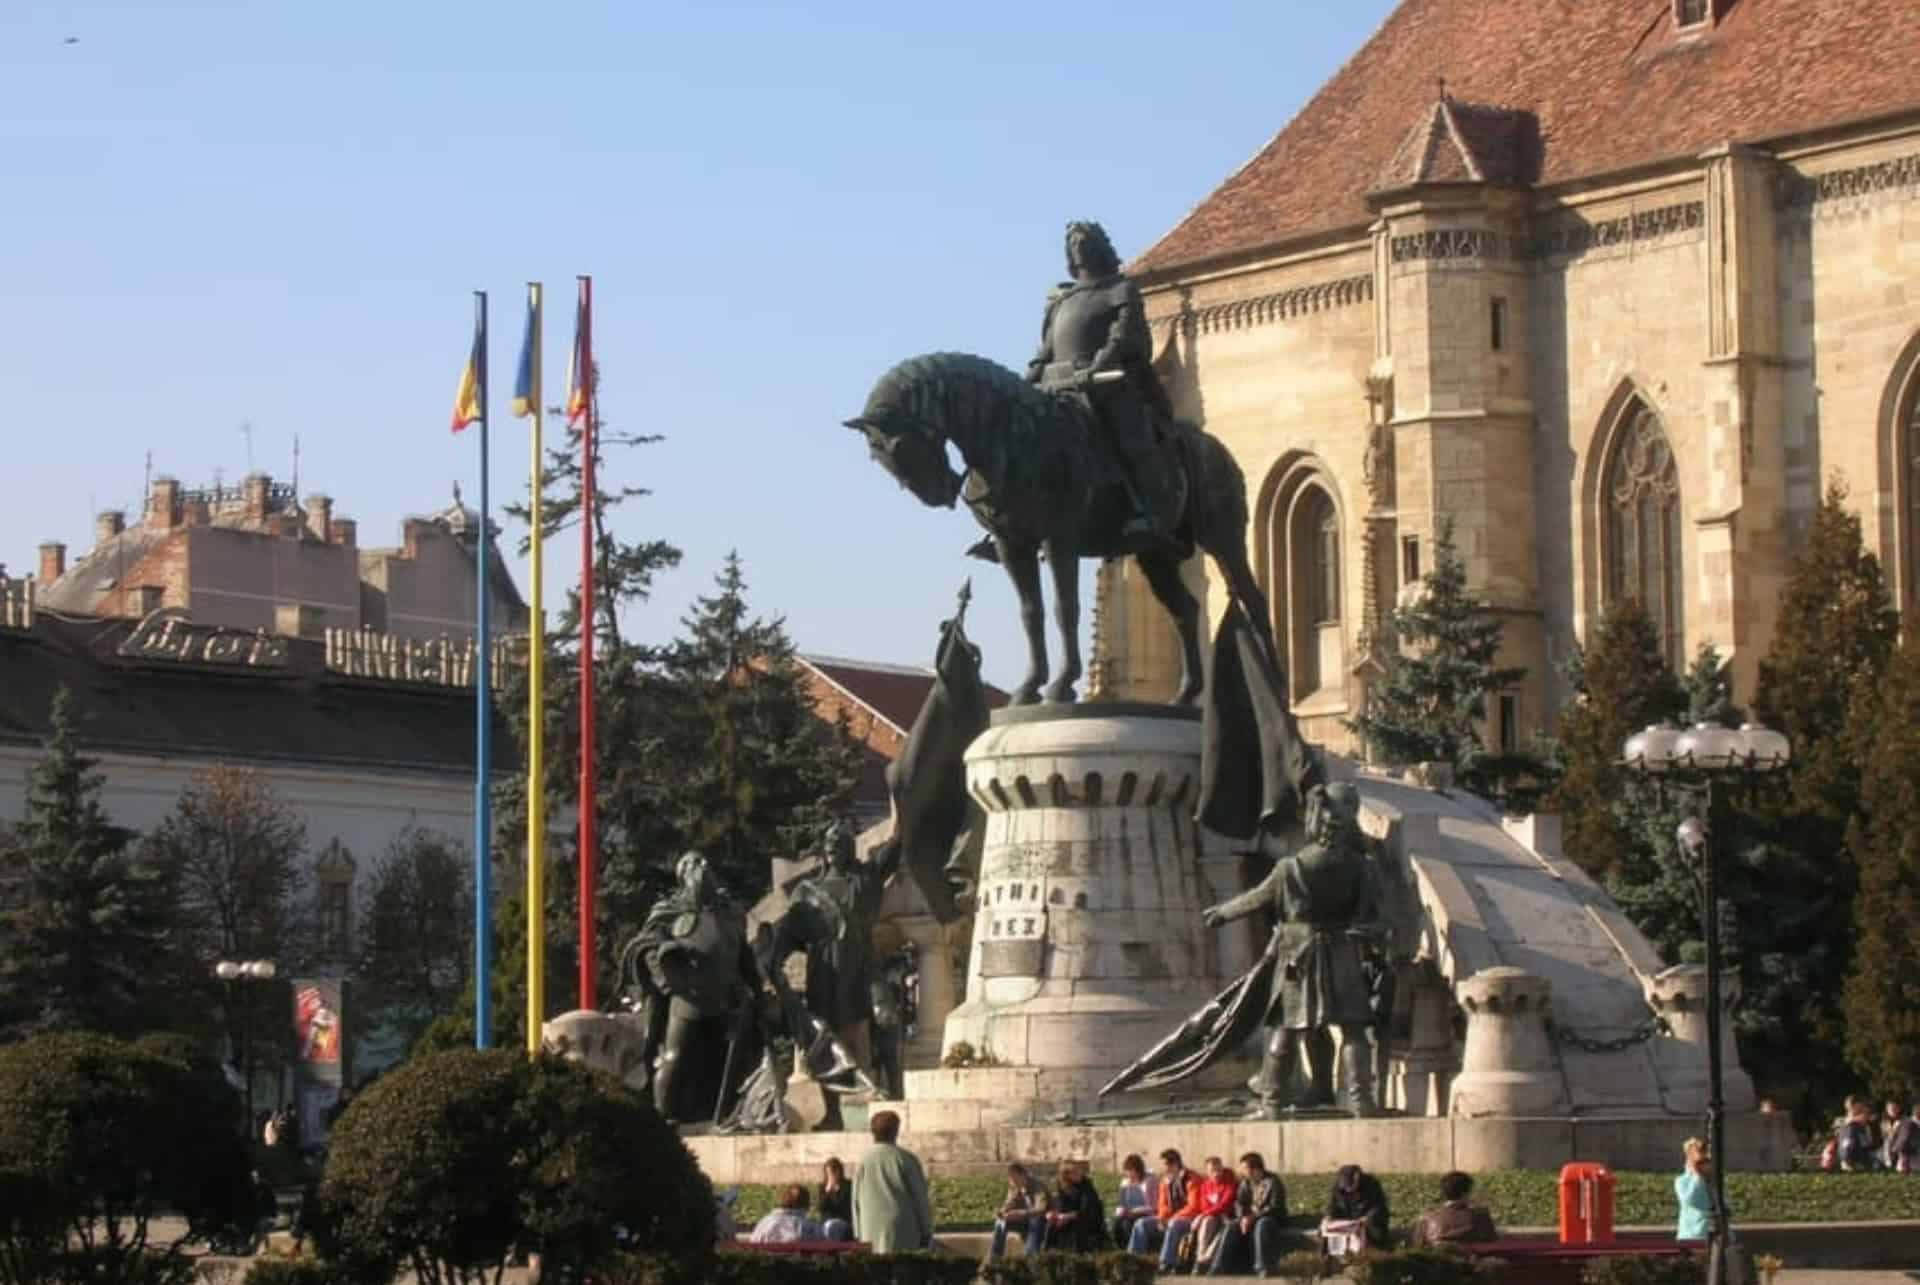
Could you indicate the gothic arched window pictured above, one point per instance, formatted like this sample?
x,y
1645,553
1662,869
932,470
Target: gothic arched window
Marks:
x,y
1909,426
1324,525
1640,499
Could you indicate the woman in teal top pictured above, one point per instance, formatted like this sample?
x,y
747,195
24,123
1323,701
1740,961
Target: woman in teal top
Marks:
x,y
1694,1190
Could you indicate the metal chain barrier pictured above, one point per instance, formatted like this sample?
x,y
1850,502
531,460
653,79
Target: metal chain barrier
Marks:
x,y
1654,1025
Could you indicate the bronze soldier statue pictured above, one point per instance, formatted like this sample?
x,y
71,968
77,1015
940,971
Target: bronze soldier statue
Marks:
x,y
831,918
1325,899
1095,345
701,983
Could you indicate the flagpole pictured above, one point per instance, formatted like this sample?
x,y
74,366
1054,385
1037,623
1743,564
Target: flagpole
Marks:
x,y
536,715
588,847
483,727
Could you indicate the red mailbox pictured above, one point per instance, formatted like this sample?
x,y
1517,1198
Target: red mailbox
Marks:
x,y
1586,1204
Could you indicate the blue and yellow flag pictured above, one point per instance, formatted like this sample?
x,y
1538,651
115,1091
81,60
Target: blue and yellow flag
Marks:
x,y
470,401
526,382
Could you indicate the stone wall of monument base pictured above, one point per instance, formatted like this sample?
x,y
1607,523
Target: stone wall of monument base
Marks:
x,y
1392,1145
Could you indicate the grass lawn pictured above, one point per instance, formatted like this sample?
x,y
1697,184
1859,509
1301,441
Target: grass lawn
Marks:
x,y
1517,1199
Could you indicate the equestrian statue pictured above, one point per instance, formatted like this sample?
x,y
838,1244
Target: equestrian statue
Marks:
x,y
1083,458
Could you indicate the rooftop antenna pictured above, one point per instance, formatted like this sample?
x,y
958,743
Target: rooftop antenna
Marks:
x,y
246,431
296,468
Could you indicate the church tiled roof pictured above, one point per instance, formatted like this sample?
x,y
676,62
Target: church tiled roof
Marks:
x,y
1607,85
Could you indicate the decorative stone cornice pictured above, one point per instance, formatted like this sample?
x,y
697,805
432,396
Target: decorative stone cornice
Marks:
x,y
1240,314
1807,192
1571,235
1446,245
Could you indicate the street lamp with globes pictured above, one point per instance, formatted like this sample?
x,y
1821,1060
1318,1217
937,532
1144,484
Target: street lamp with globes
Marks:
x,y
1707,758
231,972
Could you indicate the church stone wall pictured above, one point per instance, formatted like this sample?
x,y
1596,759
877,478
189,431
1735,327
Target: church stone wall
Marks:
x,y
1762,303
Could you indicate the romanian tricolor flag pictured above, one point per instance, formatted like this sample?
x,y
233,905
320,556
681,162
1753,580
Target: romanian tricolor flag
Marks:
x,y
580,369
526,382
469,404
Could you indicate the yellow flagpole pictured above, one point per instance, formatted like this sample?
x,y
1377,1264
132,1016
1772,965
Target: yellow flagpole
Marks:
x,y
536,730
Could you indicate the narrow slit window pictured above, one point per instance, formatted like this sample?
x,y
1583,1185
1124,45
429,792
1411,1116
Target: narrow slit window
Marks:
x,y
1497,324
1410,560
1509,729
1691,13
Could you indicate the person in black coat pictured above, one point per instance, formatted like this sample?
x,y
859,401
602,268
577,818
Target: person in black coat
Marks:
x,y
1075,1218
1357,1194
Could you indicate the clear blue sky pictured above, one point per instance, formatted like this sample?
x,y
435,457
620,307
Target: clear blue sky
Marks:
x,y
270,212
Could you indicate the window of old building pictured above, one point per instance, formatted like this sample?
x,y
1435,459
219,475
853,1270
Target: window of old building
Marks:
x,y
1497,324
1910,431
1640,500
1302,560
1691,13
1508,732
1410,560
1326,562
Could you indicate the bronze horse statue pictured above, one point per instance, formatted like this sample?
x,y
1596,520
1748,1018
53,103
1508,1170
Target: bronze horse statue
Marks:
x,y
1040,479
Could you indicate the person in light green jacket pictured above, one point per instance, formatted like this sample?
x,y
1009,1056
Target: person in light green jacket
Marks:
x,y
892,1209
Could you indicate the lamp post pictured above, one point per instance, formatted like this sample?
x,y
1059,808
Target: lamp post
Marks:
x,y
1707,758
230,972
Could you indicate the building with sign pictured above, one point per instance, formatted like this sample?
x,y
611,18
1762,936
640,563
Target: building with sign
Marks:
x,y
253,557
1615,289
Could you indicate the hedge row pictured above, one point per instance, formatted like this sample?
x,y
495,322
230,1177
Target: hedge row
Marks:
x,y
1516,1198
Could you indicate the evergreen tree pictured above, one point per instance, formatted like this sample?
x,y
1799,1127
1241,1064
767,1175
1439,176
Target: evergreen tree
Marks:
x,y
1833,636
84,924
416,943
1833,639
1431,704
1621,684
635,836
1882,997
755,773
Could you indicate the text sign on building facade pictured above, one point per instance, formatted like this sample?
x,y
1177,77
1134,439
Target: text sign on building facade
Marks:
x,y
442,661
170,634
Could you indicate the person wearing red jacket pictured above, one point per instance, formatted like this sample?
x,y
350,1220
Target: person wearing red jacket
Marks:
x,y
1217,1193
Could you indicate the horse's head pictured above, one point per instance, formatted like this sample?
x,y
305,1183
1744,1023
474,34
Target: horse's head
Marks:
x,y
904,441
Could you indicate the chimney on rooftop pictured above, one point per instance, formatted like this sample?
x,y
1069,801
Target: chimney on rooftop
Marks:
x,y
319,515
256,487
344,532
109,524
163,504
196,513
53,562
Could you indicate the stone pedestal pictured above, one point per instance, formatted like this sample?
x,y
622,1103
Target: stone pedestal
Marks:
x,y
1508,1067
1679,994
1422,1062
1087,941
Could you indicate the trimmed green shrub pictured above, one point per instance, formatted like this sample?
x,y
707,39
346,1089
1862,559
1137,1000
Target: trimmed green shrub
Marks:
x,y
1421,1267
1305,1265
96,1137
1647,1269
455,1161
1071,1269
295,1271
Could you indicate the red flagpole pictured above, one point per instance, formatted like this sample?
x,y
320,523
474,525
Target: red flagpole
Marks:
x,y
588,850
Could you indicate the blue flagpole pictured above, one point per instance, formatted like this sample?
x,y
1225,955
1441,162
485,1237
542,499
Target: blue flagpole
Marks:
x,y
483,726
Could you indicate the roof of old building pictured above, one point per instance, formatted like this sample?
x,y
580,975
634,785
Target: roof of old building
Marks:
x,y
1611,84
894,693
301,713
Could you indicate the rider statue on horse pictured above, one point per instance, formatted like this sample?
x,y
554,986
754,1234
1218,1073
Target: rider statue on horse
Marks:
x,y
1095,347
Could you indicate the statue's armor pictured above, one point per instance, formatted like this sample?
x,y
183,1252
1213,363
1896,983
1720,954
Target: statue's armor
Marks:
x,y
1320,896
707,945
1101,326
